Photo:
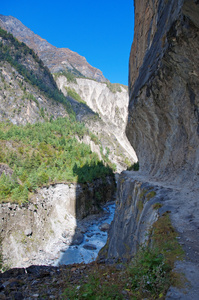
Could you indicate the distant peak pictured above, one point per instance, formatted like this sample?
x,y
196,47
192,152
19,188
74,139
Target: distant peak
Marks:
x,y
54,58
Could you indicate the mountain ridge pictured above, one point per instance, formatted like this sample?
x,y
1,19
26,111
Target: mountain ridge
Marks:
x,y
56,59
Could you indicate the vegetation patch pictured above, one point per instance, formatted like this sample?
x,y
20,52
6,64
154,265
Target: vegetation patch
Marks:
x,y
95,287
140,205
69,76
157,205
45,153
115,87
143,193
134,167
164,237
73,94
150,195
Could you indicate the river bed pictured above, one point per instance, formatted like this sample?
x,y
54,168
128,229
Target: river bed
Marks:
x,y
94,237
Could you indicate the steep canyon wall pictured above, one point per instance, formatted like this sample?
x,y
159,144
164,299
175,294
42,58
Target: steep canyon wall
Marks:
x,y
163,128
163,124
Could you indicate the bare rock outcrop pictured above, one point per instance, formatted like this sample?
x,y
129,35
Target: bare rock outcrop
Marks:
x,y
164,96
111,106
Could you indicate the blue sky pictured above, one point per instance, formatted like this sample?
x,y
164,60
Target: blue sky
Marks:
x,y
102,31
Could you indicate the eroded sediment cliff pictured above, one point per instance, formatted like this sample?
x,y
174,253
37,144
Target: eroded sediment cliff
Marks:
x,y
33,233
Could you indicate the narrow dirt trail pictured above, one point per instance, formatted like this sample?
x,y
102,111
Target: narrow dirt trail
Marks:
x,y
182,203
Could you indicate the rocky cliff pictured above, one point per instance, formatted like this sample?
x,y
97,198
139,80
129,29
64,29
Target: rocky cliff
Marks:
x,y
163,129
163,78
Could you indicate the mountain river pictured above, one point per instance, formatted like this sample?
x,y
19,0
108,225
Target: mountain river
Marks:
x,y
94,237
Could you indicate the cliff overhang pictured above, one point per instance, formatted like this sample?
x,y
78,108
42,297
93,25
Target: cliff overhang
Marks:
x,y
163,121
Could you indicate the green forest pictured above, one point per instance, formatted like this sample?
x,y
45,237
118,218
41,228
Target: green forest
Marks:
x,y
45,153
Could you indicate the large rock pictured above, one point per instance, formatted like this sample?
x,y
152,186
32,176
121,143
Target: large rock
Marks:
x,y
163,124
77,238
104,227
89,247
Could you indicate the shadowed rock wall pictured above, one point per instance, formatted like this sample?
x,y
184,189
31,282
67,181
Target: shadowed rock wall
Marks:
x,y
163,123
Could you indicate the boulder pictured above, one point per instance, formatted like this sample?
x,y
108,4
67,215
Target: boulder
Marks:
x,y
104,227
89,247
77,239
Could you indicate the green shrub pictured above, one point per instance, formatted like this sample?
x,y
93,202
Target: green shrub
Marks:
x,y
134,167
93,290
149,274
114,87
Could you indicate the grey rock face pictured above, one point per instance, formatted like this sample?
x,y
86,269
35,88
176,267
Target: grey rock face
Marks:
x,y
163,123
134,216
162,127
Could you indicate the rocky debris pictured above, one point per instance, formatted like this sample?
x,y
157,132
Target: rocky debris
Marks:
x,y
89,234
39,282
5,169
